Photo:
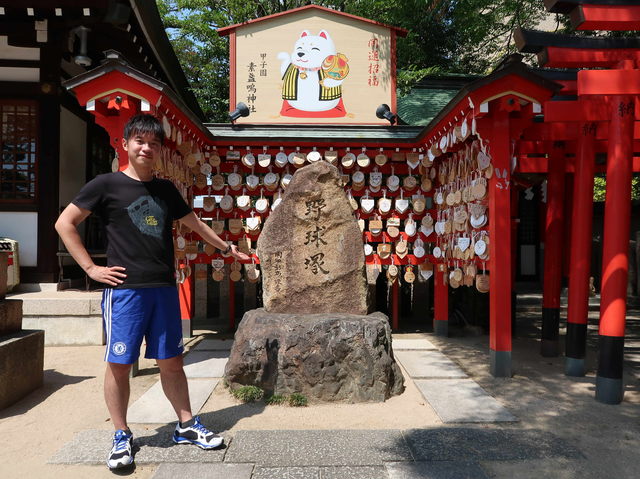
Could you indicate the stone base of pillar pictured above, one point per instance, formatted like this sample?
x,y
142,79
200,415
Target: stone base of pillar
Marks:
x,y
609,391
574,367
514,299
500,363
550,326
441,328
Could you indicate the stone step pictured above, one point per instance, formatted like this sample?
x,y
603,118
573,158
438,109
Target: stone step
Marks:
x,y
441,453
34,287
68,318
462,400
154,407
318,448
152,446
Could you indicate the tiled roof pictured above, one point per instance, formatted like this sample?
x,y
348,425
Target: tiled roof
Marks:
x,y
429,96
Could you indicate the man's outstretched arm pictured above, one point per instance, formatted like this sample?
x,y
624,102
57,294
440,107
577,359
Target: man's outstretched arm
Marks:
x,y
207,234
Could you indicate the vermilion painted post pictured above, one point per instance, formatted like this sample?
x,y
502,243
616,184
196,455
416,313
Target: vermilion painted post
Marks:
x,y
553,252
567,227
441,306
615,252
514,256
580,253
394,303
185,291
500,248
232,305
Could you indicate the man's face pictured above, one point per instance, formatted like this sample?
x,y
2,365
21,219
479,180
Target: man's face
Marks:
x,y
143,149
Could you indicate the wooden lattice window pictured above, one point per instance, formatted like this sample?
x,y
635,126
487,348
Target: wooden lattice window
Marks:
x,y
19,150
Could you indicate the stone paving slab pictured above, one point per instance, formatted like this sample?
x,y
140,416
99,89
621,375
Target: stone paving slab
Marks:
x,y
205,364
214,345
287,473
347,472
412,344
462,400
473,444
318,448
435,470
150,447
154,407
203,471
428,365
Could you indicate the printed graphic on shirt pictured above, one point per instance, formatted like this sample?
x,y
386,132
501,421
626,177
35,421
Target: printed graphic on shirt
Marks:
x,y
148,214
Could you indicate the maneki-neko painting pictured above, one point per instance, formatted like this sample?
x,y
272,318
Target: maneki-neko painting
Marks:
x,y
312,65
312,78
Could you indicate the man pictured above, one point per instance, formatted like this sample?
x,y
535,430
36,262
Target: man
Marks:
x,y
141,299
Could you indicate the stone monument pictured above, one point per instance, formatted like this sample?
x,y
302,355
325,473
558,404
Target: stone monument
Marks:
x,y
313,335
21,351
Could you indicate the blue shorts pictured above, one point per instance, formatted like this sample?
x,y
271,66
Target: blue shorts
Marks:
x,y
131,314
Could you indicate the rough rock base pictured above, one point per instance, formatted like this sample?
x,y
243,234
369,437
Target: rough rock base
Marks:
x,y
325,357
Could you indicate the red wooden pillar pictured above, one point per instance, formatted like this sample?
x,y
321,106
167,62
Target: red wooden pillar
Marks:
x,y
615,252
185,291
232,305
580,267
514,255
441,306
553,252
500,248
567,227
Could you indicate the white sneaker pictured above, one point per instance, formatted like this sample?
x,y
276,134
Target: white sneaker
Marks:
x,y
198,435
120,454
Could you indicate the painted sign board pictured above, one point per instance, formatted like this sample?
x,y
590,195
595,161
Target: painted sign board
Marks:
x,y
312,66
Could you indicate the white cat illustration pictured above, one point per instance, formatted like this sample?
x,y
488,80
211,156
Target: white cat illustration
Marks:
x,y
309,90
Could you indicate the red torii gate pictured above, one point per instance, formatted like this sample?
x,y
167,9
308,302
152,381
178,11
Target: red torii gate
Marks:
x,y
603,117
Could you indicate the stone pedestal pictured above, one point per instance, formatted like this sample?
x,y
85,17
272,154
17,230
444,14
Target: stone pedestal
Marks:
x,y
325,357
21,352
22,358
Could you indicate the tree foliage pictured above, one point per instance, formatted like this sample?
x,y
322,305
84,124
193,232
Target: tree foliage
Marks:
x,y
444,36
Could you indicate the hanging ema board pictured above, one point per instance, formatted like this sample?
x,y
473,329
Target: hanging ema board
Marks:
x,y
312,65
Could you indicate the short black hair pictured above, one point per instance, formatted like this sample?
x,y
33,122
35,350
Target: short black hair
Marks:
x,y
142,124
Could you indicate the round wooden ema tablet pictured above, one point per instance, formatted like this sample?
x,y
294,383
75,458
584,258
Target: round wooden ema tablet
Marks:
x,y
218,275
457,274
217,182
253,275
209,249
409,275
483,283
381,159
214,160
235,276
393,270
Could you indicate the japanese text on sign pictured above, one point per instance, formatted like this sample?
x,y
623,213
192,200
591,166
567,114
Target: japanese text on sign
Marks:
x,y
374,62
254,69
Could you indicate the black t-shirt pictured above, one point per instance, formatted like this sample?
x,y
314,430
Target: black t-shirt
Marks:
x,y
138,218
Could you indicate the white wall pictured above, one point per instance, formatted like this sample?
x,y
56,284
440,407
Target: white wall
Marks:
x,y
73,163
73,155
22,227
8,52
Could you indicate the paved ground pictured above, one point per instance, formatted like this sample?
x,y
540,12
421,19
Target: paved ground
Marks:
x,y
454,420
